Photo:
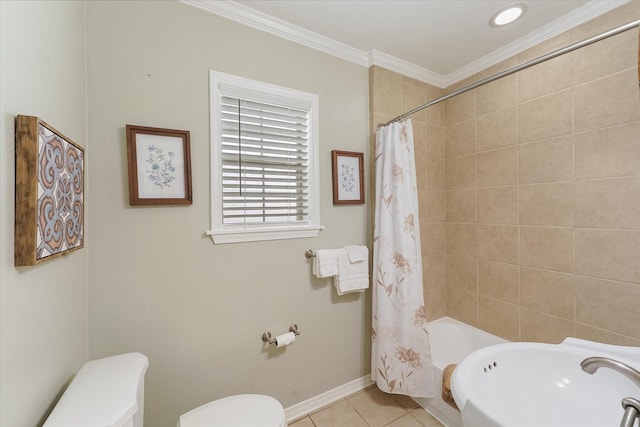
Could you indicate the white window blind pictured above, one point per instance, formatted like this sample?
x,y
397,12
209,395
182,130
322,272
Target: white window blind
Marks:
x,y
264,172
265,162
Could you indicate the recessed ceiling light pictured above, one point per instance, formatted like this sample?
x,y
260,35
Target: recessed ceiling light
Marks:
x,y
508,15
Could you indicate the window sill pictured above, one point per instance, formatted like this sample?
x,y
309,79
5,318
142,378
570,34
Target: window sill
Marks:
x,y
260,234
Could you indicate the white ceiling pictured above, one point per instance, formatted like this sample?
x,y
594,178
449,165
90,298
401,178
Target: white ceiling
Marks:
x,y
437,41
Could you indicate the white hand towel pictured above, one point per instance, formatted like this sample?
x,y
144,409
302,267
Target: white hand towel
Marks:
x,y
325,263
352,277
356,253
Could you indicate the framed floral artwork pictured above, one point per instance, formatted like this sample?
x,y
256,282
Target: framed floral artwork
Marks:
x,y
49,193
159,166
348,177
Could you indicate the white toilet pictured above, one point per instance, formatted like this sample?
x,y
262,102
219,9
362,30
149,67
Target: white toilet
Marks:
x,y
106,392
109,392
243,410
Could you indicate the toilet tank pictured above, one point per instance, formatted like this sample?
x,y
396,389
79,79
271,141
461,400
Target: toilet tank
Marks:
x,y
106,392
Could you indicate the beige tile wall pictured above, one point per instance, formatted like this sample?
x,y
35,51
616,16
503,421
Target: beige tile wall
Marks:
x,y
543,194
530,190
390,95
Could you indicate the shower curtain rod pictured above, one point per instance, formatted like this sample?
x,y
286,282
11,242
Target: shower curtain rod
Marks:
x,y
520,67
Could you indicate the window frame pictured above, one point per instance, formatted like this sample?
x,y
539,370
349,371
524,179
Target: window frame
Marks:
x,y
230,85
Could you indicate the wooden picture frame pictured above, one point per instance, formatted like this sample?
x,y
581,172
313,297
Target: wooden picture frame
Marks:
x,y
49,194
159,163
348,177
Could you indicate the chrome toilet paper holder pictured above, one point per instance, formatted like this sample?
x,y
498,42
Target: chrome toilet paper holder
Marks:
x,y
267,337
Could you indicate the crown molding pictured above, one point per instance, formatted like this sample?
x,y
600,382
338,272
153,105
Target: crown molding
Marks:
x,y
245,15
278,27
406,68
581,15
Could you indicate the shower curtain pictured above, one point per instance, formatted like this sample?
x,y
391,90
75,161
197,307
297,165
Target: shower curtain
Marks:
x,y
400,355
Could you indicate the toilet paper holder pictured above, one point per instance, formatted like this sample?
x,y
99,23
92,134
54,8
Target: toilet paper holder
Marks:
x,y
267,337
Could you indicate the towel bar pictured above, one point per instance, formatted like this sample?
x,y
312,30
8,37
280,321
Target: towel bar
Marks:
x,y
309,253
266,337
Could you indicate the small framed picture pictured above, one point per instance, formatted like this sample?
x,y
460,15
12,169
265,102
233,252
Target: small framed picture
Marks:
x,y
159,166
348,177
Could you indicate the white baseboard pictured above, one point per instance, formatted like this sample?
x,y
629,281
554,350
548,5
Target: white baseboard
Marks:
x,y
302,409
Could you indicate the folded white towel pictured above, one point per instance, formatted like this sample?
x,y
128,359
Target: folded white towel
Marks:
x,y
356,253
325,263
352,276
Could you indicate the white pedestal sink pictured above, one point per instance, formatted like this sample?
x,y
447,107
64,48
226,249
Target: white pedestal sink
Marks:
x,y
543,385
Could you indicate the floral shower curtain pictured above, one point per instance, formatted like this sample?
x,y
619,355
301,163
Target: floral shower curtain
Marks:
x,y
400,356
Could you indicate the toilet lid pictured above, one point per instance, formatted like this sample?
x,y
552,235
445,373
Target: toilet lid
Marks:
x,y
244,410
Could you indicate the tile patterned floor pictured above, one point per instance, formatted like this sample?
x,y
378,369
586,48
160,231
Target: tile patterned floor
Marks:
x,y
370,408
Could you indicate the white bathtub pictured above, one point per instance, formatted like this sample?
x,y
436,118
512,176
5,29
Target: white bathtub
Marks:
x,y
451,341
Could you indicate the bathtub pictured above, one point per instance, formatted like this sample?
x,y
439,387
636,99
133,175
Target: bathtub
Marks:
x,y
451,341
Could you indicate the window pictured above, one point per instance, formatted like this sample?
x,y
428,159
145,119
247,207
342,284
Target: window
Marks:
x,y
264,172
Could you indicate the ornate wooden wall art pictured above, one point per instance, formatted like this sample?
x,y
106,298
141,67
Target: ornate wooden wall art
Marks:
x,y
49,205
